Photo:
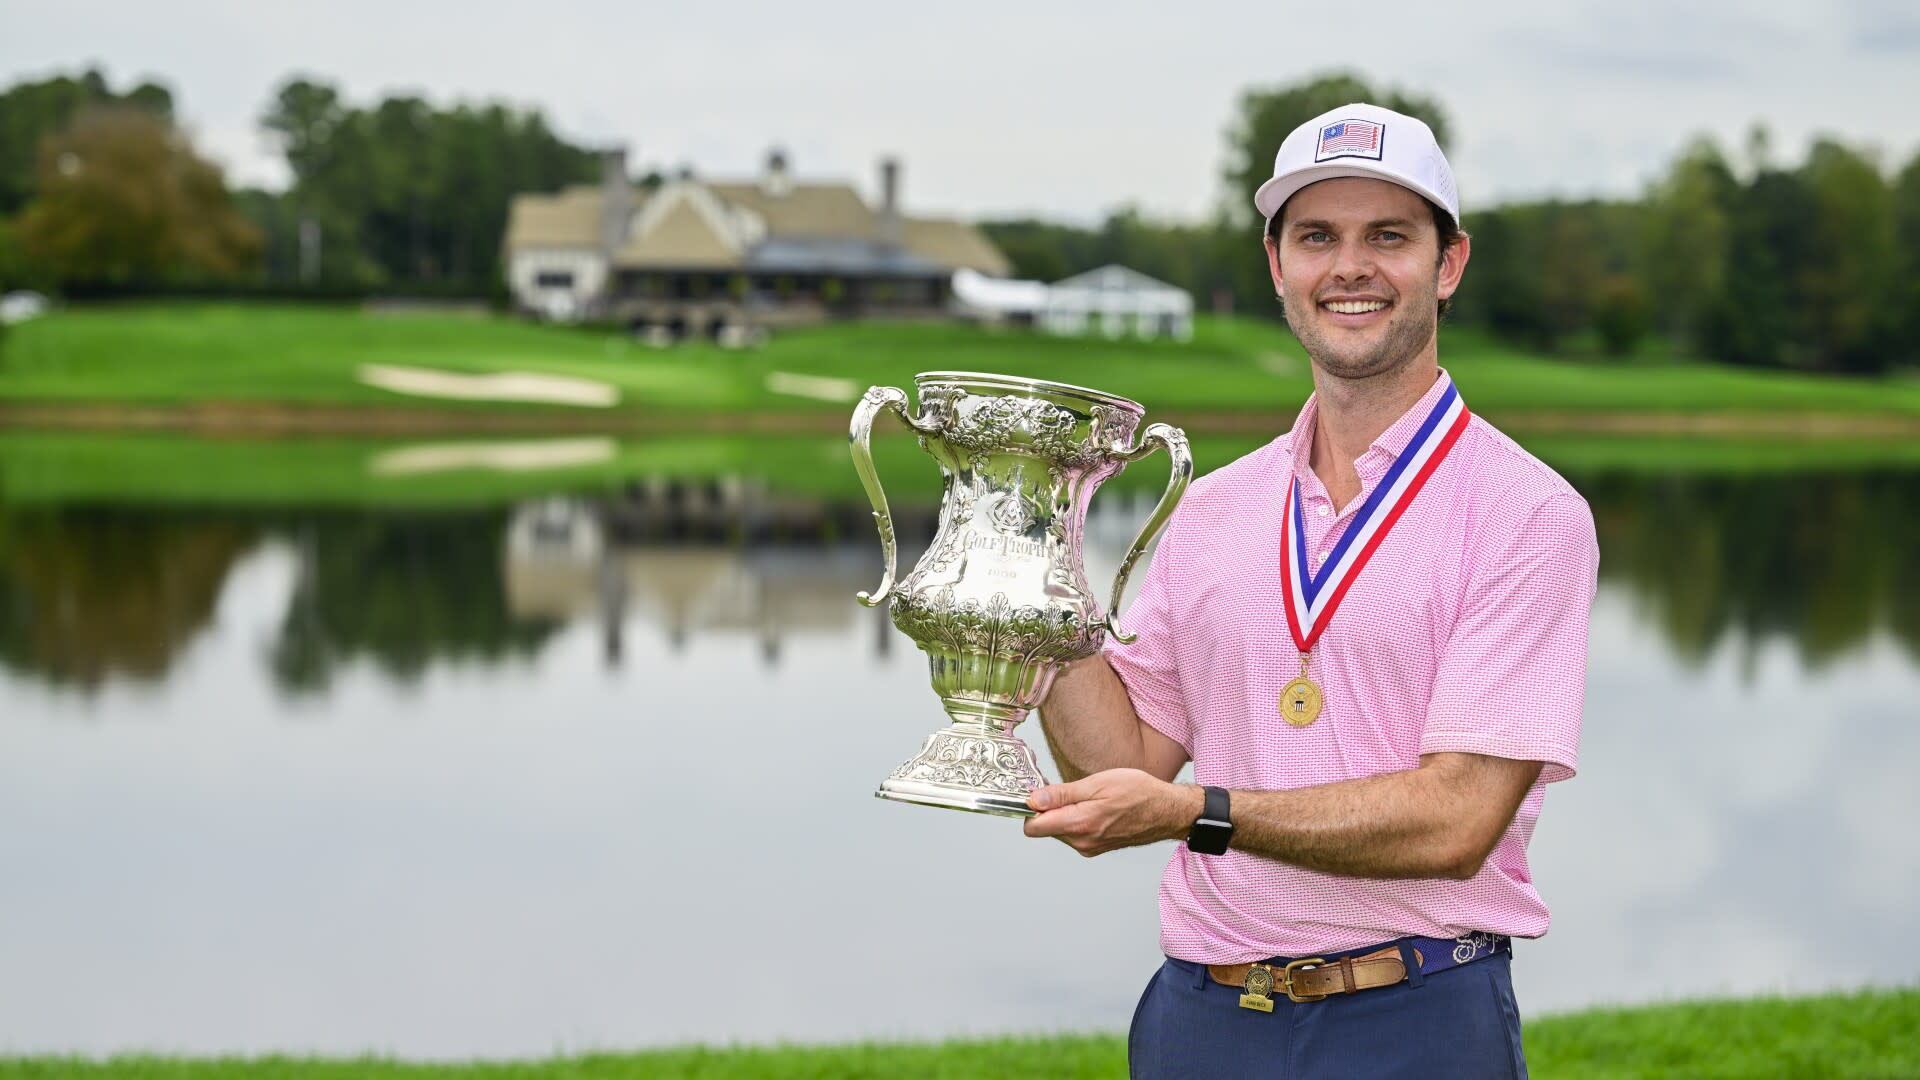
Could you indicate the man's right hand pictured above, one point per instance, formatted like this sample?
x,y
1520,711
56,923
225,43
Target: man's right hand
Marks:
x,y
1114,809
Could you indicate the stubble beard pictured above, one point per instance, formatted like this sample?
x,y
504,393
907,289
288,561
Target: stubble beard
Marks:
x,y
1407,333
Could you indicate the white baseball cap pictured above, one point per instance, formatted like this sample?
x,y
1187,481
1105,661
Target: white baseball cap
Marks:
x,y
1360,140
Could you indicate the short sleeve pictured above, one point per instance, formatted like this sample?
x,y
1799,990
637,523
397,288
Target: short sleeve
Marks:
x,y
1513,671
1149,668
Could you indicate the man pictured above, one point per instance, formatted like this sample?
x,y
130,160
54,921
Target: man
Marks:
x,y
1369,637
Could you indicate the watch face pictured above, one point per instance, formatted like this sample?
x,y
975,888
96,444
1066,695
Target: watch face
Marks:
x,y
1210,837
1211,834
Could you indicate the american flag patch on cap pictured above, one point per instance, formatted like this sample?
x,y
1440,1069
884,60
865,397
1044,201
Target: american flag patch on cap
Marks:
x,y
1349,138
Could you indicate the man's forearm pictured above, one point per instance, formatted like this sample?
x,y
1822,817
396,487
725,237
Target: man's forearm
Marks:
x,y
1089,721
1437,821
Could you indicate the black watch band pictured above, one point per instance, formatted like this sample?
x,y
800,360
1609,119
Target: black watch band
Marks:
x,y
1212,833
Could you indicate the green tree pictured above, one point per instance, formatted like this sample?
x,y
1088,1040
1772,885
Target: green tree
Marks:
x,y
407,192
1847,284
1502,288
1684,243
1571,265
1619,314
123,198
1758,321
15,271
1904,199
31,111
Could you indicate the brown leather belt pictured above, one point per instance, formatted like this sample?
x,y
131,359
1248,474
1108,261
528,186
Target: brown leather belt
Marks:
x,y
1315,979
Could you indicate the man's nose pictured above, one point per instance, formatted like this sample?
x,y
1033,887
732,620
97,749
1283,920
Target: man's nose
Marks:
x,y
1353,261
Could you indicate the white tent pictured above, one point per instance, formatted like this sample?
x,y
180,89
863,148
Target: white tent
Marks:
x,y
1115,300
1112,300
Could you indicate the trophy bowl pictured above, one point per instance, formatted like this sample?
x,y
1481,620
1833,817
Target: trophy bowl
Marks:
x,y
1000,601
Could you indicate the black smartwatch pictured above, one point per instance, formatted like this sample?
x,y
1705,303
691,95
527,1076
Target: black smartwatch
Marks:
x,y
1214,831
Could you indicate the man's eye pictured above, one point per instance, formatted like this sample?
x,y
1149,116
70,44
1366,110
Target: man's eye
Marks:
x,y
1317,237
1390,236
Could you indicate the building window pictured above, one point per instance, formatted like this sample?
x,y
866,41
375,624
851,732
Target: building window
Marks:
x,y
554,279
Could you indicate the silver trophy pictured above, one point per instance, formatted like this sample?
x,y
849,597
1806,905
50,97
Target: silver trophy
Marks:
x,y
1000,601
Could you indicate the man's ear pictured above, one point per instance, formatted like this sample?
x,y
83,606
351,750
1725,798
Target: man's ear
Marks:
x,y
1273,264
1453,264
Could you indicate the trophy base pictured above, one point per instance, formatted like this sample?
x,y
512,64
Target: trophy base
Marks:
x,y
968,767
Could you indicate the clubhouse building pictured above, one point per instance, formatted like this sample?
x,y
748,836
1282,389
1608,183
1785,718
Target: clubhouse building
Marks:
x,y
690,257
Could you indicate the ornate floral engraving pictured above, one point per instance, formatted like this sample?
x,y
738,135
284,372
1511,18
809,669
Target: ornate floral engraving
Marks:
x,y
974,762
982,425
996,628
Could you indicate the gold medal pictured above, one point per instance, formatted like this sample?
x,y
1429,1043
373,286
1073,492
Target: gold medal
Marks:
x,y
1300,699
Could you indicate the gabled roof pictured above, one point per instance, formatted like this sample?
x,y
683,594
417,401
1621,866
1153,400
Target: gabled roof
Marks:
x,y
565,219
1115,278
806,209
682,226
692,225
955,245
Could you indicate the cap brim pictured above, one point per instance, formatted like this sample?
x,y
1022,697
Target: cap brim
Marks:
x,y
1275,192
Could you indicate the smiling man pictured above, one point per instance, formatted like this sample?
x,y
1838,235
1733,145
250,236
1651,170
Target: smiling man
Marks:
x,y
1369,638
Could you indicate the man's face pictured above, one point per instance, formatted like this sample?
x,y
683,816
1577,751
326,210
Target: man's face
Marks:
x,y
1359,270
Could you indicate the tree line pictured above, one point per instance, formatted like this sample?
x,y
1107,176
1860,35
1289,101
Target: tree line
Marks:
x,y
400,196
1733,256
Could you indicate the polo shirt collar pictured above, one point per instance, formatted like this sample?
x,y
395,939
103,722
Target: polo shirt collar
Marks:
x,y
1384,450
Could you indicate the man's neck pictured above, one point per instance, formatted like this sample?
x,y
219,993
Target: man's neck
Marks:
x,y
1352,413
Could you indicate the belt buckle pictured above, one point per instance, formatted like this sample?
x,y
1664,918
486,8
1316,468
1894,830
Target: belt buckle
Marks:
x,y
1286,981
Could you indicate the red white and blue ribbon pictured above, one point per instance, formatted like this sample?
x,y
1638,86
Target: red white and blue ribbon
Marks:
x,y
1312,598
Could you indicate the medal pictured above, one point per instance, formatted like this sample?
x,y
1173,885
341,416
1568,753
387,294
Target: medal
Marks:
x,y
1300,699
1311,599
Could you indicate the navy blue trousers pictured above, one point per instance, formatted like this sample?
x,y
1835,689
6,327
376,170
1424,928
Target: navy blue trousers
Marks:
x,y
1461,1022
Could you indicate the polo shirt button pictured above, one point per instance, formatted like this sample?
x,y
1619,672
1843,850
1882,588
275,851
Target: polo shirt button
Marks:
x,y
1324,510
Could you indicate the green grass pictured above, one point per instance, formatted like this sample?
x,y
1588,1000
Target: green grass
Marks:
x,y
175,469
175,354
1866,1034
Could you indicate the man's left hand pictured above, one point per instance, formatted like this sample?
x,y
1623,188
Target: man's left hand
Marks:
x,y
1114,809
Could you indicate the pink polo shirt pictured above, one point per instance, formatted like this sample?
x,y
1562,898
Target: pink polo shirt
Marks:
x,y
1467,632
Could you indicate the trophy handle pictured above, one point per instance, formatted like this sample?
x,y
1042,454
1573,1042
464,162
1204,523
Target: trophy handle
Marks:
x,y
859,437
1175,441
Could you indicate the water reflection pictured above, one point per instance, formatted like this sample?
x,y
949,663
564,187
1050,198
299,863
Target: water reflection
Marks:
x,y
695,558
87,594
401,591
486,848
1824,561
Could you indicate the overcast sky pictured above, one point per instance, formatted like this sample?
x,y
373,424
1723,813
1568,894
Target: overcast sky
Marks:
x,y
1066,110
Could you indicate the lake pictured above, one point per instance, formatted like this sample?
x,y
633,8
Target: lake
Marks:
x,y
594,769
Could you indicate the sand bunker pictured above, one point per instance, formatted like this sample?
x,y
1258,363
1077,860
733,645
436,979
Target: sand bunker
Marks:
x,y
818,387
521,386
520,455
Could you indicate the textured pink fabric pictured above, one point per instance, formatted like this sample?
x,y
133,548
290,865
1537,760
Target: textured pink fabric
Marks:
x,y
1466,632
